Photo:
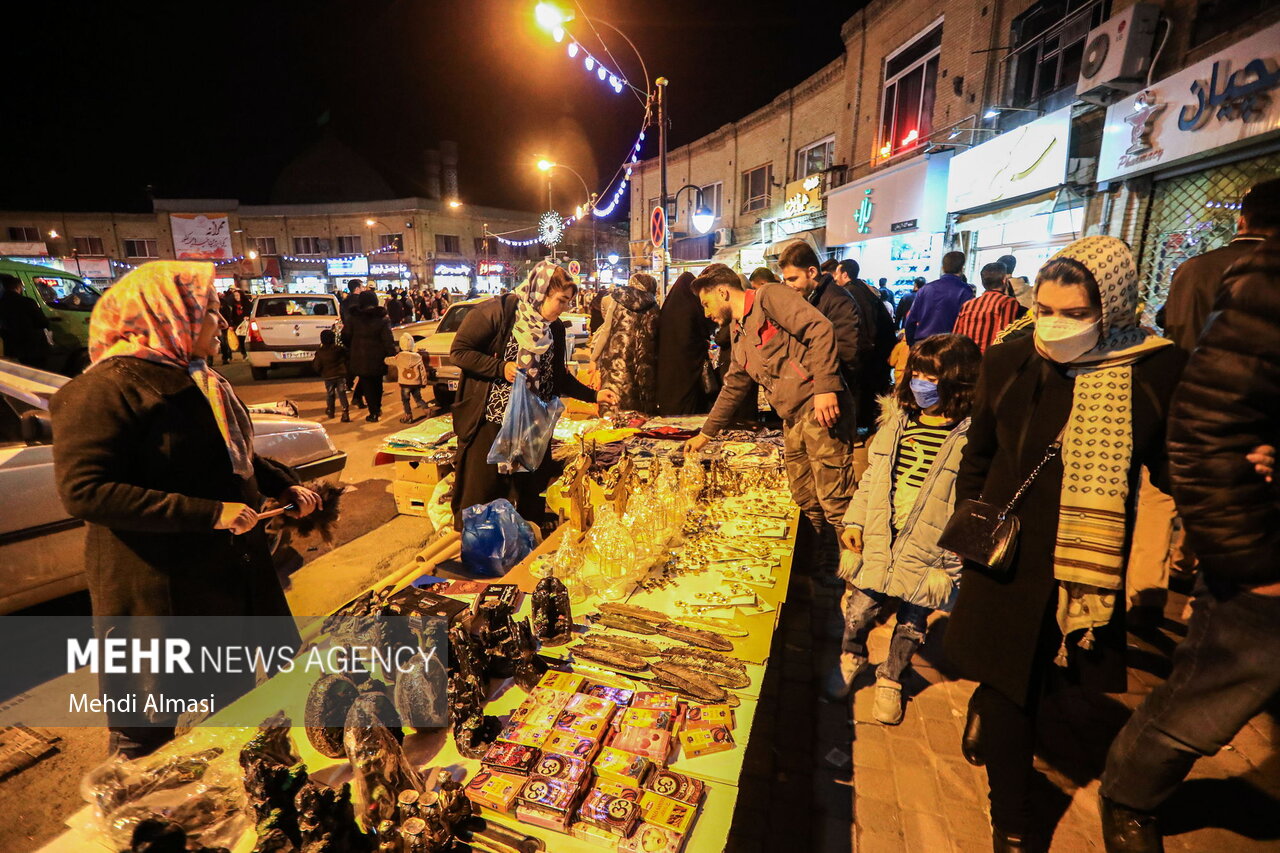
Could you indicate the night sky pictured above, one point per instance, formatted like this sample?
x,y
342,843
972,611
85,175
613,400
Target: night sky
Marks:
x,y
215,99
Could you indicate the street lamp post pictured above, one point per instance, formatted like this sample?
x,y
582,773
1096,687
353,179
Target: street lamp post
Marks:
x,y
661,98
545,165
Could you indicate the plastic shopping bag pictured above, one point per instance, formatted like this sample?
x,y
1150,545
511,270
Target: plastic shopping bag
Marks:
x,y
494,538
526,429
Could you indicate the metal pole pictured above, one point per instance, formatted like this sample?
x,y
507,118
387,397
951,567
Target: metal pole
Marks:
x,y
595,255
661,83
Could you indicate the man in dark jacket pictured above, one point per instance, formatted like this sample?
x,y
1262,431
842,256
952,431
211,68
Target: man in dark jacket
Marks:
x,y
354,287
1196,282
904,304
938,303
22,325
1223,430
878,328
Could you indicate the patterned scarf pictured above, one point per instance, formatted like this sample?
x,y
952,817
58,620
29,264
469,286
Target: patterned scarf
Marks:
x,y
155,313
532,331
1097,447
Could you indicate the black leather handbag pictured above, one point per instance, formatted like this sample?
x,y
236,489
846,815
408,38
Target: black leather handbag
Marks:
x,y
987,534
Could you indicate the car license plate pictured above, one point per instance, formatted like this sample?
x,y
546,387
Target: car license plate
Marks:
x,y
295,355
452,385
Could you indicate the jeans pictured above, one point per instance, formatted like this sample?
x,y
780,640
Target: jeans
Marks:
x,y
1224,673
861,607
414,392
335,389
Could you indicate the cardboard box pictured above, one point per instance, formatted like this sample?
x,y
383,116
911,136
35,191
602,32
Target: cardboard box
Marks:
x,y
412,498
420,471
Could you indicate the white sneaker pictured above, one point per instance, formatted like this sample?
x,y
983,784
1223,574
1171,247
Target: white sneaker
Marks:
x,y
887,707
840,680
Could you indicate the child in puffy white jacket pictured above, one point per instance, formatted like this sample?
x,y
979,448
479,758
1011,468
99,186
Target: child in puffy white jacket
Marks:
x,y
411,374
891,556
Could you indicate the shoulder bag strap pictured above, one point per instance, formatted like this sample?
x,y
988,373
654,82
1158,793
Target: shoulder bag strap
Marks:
x,y
1051,451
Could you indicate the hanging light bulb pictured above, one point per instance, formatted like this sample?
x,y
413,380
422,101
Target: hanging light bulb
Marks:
x,y
590,63
573,49
558,34
601,72
613,81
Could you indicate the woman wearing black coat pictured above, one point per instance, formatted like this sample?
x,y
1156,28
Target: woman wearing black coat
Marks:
x,y
684,336
516,331
367,334
155,452
1056,618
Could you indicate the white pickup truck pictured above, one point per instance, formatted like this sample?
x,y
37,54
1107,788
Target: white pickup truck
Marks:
x,y
41,547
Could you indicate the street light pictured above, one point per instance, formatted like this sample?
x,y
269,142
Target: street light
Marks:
x,y
454,203
550,17
703,217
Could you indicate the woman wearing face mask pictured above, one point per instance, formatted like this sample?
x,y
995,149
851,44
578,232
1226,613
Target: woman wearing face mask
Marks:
x,y
891,556
1092,382
518,331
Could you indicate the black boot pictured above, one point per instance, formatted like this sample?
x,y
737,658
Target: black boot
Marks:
x,y
1126,830
971,740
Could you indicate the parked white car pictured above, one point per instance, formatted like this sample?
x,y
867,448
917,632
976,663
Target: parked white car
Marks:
x,y
285,328
41,547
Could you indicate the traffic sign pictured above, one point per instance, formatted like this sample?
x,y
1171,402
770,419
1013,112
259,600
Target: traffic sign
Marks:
x,y
658,226
574,267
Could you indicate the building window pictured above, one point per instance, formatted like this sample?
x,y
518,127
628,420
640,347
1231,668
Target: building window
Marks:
x,y
1215,17
1049,41
910,74
713,197
89,246
306,246
482,247
755,188
140,249
349,244
815,158
264,245
24,234
392,242
448,244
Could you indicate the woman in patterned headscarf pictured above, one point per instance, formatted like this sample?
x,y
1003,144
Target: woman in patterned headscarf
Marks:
x,y
155,452
518,331
1092,381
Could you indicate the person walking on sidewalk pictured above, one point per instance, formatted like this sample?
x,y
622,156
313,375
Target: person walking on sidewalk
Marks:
x,y
354,288
983,318
1084,400
368,335
1222,438
891,529
411,373
785,345
330,363
938,303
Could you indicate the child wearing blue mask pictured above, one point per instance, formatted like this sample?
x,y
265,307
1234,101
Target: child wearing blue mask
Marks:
x,y
891,556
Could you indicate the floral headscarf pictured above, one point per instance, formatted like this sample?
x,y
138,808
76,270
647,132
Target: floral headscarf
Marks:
x,y
155,313
532,331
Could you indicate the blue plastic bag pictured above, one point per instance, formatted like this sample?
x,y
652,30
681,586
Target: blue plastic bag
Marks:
x,y
526,429
494,538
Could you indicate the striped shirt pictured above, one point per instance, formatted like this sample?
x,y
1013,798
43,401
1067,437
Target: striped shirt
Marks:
x,y
1024,325
917,450
981,318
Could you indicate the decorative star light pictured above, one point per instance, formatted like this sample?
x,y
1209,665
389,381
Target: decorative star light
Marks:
x,y
550,228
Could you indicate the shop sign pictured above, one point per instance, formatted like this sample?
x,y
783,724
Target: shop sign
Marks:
x,y
1228,98
1027,159
803,196
396,270
88,267
491,268
353,266
910,196
201,236
452,269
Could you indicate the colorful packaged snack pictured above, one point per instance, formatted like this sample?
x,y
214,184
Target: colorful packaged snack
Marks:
x,y
617,815
552,766
537,716
656,701
494,790
525,735
566,682
618,695
675,786
614,788
622,766
507,757
593,835
567,743
651,839
664,811
708,715
654,744
647,718
705,740
580,724
591,706
547,802
545,697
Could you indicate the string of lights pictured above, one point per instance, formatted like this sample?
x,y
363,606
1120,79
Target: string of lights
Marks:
x,y
615,80
293,258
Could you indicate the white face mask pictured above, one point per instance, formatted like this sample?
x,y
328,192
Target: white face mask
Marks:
x,y
1064,339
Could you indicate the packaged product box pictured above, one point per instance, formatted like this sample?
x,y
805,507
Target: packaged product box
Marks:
x,y
494,790
593,835
591,706
647,718
664,811
565,682
654,744
580,724
651,839
676,786
546,697
506,757
567,743
614,788
705,740
656,700
615,814
618,695
547,802
538,716
524,734
622,766
708,715
552,766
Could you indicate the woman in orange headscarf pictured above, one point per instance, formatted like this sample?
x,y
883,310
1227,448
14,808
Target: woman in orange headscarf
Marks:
x,y
154,450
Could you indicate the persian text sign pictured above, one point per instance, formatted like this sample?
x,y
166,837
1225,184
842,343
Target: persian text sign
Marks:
x,y
1028,159
1232,96
803,196
201,236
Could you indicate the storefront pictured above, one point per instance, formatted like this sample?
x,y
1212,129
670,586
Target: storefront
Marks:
x,y
803,218
691,254
454,276
1205,134
305,276
492,276
388,276
1009,196
892,222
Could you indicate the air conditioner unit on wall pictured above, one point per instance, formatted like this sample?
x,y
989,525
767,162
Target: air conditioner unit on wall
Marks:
x,y
1117,55
724,236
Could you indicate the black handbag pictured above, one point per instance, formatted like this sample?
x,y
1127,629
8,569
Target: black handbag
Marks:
x,y
709,379
986,534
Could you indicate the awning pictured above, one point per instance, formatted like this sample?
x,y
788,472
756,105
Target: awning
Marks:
x,y
815,237
1034,206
